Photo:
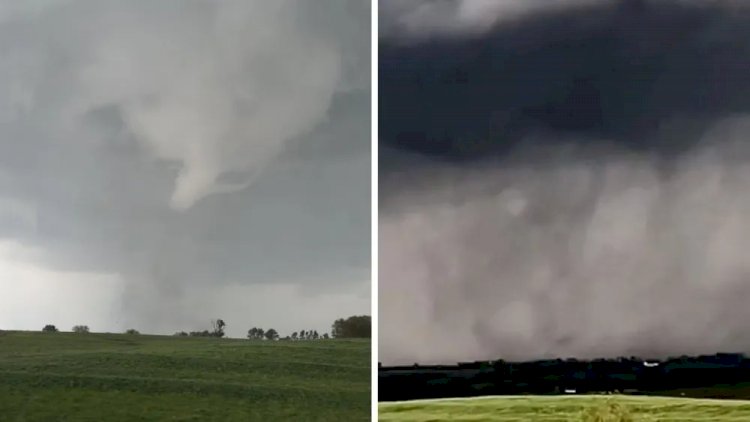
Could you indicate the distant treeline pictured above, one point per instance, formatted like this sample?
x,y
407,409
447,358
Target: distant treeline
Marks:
x,y
357,326
715,376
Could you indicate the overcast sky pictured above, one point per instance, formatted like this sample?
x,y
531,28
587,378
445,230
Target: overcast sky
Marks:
x,y
166,163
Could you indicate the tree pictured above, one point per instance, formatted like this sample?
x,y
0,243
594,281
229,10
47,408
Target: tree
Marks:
x,y
315,335
218,327
353,327
49,328
337,329
302,335
255,333
271,334
181,334
252,333
325,336
81,329
132,331
294,335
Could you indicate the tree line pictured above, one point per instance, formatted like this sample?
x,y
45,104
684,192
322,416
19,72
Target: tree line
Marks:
x,y
724,375
49,328
357,326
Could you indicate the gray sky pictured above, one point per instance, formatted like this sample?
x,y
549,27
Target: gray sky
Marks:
x,y
166,163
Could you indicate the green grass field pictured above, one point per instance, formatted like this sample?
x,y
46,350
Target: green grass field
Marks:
x,y
118,377
568,409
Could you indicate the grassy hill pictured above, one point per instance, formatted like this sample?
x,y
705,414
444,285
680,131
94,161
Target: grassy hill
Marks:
x,y
568,409
119,377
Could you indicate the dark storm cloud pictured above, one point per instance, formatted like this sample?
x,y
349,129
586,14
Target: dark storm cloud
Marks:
x,y
563,181
189,149
613,70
